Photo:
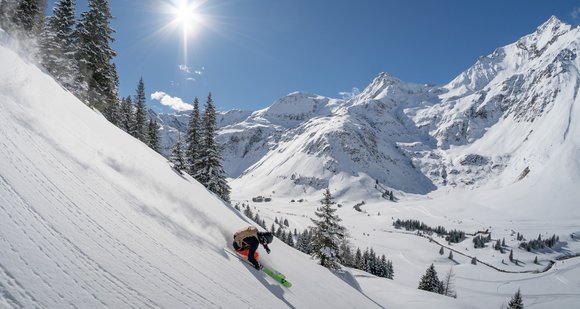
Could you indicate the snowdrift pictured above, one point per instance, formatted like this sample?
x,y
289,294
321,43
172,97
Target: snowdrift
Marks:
x,y
90,217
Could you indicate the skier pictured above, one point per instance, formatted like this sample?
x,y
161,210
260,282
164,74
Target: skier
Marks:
x,y
247,240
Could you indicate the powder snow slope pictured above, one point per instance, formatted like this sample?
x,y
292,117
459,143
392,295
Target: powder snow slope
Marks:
x,y
92,218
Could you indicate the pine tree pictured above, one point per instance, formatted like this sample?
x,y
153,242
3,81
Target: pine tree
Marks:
x,y
211,173
383,271
153,132
449,284
497,245
140,113
358,259
474,261
345,254
127,116
95,55
390,270
429,281
512,255
283,236
113,114
194,139
450,255
58,47
177,155
28,17
328,234
516,302
290,240
441,251
273,229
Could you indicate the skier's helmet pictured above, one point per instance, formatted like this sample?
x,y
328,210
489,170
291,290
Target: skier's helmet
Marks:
x,y
266,237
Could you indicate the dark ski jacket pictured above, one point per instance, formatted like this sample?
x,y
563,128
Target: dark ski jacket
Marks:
x,y
252,244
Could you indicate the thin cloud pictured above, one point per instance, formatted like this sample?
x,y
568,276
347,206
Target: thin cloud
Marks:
x,y
173,102
190,72
185,68
576,14
347,95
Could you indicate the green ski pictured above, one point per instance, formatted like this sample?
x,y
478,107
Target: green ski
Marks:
x,y
280,278
277,276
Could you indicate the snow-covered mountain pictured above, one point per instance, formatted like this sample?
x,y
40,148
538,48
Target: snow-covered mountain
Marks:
x,y
91,217
173,124
494,124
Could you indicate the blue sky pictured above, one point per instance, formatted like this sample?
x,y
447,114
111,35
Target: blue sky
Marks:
x,y
249,53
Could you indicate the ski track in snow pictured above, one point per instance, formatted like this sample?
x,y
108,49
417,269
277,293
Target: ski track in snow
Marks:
x,y
54,242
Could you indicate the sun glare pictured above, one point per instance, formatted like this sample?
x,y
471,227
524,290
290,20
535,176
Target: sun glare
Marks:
x,y
186,18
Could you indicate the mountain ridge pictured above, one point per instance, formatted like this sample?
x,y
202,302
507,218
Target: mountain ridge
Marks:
x,y
403,135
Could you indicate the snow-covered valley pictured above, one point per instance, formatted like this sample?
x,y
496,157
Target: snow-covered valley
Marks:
x,y
90,217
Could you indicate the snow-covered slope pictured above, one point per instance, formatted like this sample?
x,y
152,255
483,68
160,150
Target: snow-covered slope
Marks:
x,y
510,122
92,218
505,117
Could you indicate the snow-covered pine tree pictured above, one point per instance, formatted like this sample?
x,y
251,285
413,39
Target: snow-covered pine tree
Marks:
x,y
177,154
449,284
382,267
127,115
372,262
95,56
328,234
512,255
193,140
429,281
390,270
6,12
516,302
211,173
58,47
113,113
140,113
450,255
279,232
497,245
358,259
441,251
153,132
345,254
28,17
273,229
290,239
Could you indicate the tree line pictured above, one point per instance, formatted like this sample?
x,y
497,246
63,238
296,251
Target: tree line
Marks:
x,y
78,55
327,241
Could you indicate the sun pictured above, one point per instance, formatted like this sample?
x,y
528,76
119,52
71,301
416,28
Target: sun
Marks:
x,y
185,16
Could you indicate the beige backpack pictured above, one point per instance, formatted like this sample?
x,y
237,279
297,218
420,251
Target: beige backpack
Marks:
x,y
243,233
